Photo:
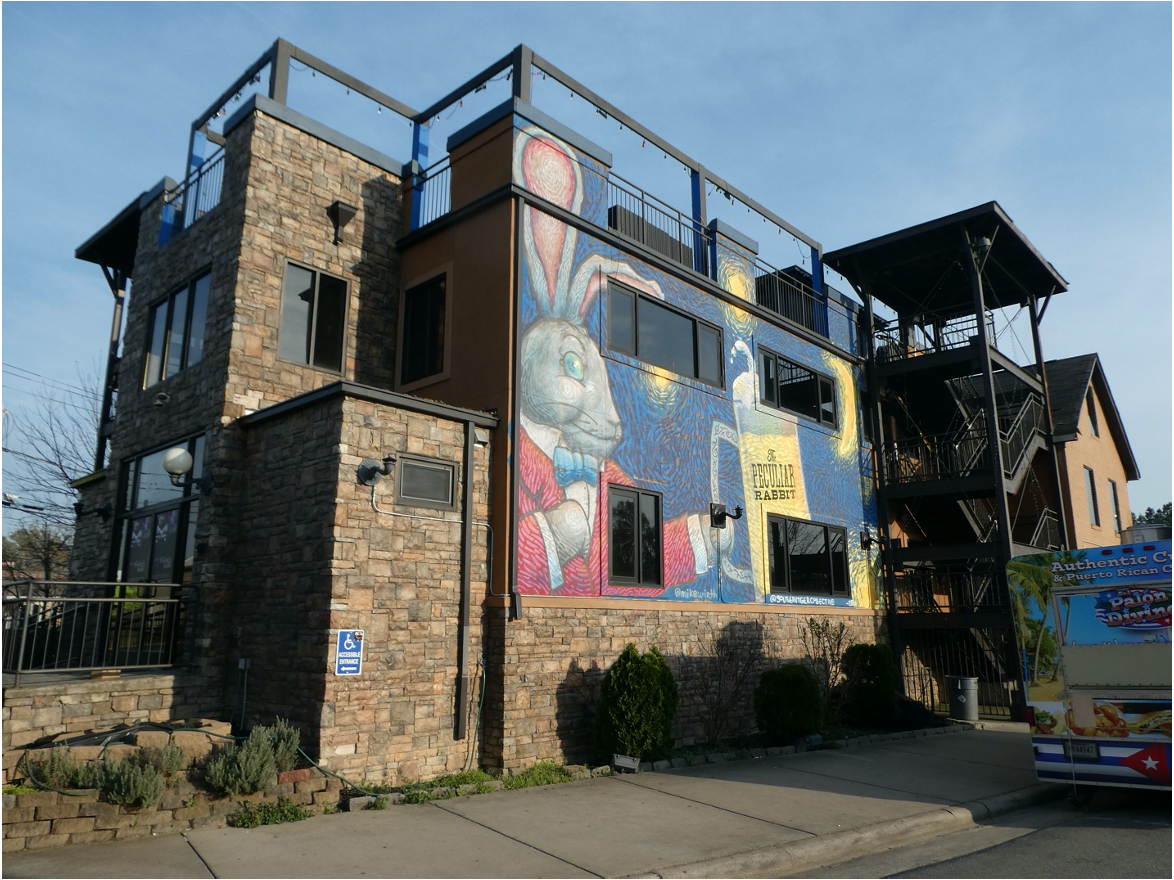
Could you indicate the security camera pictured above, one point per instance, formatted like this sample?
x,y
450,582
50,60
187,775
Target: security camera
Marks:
x,y
162,398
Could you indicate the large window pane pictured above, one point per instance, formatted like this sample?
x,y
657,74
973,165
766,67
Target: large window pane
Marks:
x,y
808,558
329,323
138,552
665,337
165,540
199,319
649,539
154,485
296,302
709,355
839,558
155,347
778,555
423,331
176,335
621,320
622,541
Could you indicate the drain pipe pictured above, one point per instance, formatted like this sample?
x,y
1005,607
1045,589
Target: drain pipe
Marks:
x,y
466,585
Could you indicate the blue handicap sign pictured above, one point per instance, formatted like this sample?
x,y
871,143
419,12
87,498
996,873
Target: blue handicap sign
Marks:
x,y
348,656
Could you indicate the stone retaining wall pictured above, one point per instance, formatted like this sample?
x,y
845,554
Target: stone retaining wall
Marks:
x,y
48,818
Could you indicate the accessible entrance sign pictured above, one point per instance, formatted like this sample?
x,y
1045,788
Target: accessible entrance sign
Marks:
x,y
348,655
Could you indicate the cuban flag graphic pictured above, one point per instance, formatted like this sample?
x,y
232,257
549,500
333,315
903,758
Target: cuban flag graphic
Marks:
x,y
1130,764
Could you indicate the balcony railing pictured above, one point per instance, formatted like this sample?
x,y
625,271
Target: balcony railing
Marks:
x,y
929,336
641,217
937,457
60,626
946,589
193,198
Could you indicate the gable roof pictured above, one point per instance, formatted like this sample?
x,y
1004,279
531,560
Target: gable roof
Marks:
x,y
1068,382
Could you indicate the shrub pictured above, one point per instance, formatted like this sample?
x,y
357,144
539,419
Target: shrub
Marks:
x,y
637,706
166,761
243,768
127,782
285,740
870,685
787,703
60,769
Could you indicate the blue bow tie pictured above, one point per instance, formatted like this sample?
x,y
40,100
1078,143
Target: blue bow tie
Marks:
x,y
570,467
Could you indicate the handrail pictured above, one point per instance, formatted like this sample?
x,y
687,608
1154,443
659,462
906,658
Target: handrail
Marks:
x,y
198,194
59,632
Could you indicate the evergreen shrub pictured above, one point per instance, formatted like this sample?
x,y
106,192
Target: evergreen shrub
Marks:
x,y
870,685
637,707
787,703
285,739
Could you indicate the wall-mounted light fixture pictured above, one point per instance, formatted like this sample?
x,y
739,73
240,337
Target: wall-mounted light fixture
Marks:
x,y
340,214
718,515
103,511
371,472
177,461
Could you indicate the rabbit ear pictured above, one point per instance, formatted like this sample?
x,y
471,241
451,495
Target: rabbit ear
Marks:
x,y
546,167
592,275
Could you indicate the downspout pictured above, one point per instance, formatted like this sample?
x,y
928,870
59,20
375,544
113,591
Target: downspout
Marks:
x,y
466,584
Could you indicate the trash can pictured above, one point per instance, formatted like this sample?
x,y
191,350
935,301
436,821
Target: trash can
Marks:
x,y
963,697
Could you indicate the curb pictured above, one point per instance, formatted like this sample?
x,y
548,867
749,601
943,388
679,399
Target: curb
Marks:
x,y
830,849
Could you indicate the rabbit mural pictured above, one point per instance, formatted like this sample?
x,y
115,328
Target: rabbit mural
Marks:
x,y
569,427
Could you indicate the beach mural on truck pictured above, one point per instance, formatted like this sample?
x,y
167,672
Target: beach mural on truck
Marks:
x,y
610,445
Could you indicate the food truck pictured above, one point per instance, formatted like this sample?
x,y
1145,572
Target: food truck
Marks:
x,y
1094,639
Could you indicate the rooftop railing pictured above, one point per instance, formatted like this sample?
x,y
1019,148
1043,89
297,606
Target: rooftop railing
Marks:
x,y
643,218
196,196
71,626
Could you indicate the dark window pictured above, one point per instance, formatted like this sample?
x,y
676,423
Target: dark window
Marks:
x,y
1116,502
787,385
425,482
807,558
158,519
1090,496
313,318
177,331
659,334
634,536
422,335
1090,402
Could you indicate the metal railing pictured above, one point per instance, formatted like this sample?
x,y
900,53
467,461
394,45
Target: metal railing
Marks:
x,y
936,456
1016,439
432,191
947,589
196,196
651,222
932,655
71,626
929,336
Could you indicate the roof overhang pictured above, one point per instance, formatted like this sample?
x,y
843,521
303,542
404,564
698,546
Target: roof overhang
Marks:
x,y
923,268
114,245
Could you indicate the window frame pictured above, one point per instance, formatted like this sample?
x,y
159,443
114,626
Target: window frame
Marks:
x,y
445,371
822,382
641,578
407,459
185,503
1115,502
1090,497
634,350
782,585
313,327
160,372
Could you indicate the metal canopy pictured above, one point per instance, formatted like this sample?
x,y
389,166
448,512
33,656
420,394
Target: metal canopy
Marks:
x,y
114,245
924,268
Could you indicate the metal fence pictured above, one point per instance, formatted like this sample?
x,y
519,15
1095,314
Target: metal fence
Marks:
x,y
199,193
433,190
59,626
931,655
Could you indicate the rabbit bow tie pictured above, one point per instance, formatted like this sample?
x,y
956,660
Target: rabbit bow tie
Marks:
x,y
570,467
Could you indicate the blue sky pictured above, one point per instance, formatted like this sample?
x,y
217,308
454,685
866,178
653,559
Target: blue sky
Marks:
x,y
848,120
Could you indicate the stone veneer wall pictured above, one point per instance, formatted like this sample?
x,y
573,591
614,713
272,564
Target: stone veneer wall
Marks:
x,y
316,557
545,670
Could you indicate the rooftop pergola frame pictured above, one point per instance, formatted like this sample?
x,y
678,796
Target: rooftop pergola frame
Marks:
x,y
520,64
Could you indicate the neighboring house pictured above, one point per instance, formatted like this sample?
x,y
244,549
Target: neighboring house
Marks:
x,y
1093,452
500,413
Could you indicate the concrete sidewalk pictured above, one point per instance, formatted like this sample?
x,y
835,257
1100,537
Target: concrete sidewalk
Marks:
x,y
758,817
